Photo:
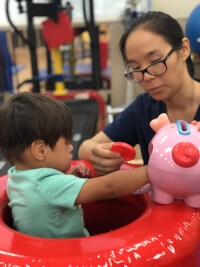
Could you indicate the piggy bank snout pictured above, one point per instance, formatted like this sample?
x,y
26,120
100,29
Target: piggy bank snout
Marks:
x,y
185,154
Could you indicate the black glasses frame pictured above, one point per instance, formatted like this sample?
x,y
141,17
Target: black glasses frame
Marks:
x,y
127,74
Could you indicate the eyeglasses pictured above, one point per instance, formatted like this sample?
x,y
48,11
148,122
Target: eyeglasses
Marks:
x,y
155,69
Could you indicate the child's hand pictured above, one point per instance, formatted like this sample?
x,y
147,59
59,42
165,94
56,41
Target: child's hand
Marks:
x,y
81,171
196,123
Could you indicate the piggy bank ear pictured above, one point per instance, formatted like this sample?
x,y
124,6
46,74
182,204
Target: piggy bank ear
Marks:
x,y
158,123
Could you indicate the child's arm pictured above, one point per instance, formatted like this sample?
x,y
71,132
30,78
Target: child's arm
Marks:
x,y
112,185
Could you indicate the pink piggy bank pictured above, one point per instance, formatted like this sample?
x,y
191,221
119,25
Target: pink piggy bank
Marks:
x,y
174,163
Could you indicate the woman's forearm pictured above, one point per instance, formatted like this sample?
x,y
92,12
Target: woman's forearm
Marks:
x,y
85,149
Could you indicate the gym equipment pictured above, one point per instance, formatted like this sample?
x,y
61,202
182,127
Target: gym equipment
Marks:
x,y
84,111
6,65
56,34
52,10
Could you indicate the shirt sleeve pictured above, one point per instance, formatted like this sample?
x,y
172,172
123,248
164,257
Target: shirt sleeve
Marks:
x,y
58,188
125,126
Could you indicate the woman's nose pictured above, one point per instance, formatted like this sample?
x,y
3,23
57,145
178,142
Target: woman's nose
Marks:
x,y
148,77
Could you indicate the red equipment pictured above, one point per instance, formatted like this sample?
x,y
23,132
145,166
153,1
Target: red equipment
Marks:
x,y
128,231
57,33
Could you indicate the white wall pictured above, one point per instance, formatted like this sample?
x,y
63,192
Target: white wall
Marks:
x,y
179,9
103,10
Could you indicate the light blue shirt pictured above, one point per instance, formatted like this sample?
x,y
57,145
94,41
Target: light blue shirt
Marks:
x,y
42,202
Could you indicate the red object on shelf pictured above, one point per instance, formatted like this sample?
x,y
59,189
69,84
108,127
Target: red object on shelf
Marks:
x,y
57,33
103,50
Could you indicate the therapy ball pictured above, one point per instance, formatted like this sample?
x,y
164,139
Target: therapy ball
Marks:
x,y
192,29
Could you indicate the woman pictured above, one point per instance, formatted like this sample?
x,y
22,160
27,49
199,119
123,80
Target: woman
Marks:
x,y
157,56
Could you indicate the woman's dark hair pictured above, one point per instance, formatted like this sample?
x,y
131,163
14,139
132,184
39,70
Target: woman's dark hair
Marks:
x,y
27,117
161,24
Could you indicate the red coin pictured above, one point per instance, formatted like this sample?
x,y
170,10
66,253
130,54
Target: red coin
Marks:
x,y
127,151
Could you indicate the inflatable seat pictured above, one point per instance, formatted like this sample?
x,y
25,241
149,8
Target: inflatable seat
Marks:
x,y
128,231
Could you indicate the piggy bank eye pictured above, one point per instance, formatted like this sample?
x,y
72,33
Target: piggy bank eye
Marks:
x,y
150,148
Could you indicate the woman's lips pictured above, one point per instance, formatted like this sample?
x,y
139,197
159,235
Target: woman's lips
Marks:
x,y
155,90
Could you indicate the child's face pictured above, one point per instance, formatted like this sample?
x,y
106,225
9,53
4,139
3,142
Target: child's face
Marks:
x,y
60,157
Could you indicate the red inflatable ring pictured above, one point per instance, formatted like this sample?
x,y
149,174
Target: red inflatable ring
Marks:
x,y
128,231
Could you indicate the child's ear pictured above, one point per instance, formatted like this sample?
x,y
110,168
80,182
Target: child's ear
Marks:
x,y
38,149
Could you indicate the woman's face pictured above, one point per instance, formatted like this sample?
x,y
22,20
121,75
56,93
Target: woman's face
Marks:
x,y
144,48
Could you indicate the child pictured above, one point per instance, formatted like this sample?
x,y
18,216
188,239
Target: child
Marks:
x,y
35,136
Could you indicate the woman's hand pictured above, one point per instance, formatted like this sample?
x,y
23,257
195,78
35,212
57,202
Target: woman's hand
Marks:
x,y
196,123
105,161
97,150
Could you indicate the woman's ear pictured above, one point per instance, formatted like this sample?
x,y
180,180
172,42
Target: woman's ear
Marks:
x,y
185,50
38,149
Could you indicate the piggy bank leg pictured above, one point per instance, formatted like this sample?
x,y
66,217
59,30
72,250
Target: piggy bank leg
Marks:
x,y
193,201
161,196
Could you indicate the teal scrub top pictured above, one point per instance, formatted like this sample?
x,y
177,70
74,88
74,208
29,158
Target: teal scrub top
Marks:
x,y
42,203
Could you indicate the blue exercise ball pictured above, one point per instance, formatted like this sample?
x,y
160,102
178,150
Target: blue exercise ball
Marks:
x,y
192,29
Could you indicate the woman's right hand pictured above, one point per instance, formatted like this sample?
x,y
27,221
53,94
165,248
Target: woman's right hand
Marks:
x,y
196,123
97,150
104,160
